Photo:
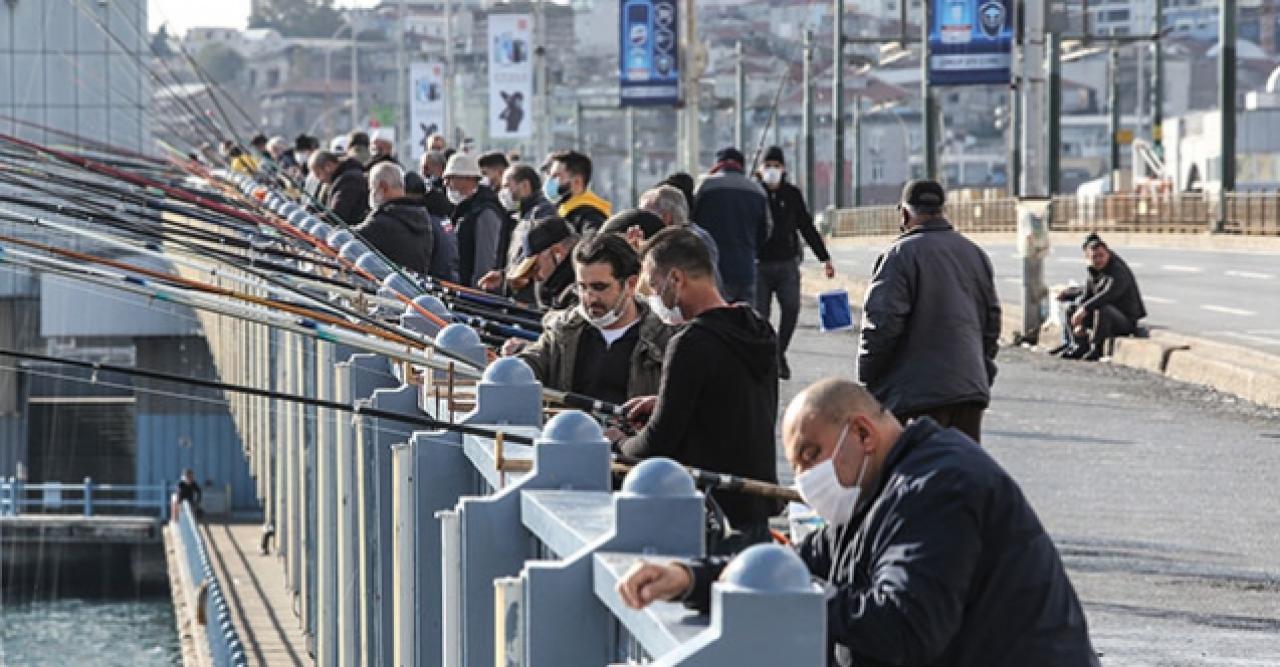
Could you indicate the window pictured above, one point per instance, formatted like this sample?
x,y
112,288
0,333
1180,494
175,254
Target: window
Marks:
x,y
877,171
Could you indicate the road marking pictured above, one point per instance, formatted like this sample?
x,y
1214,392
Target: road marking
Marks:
x,y
1158,299
1135,265
1070,260
1181,269
1229,311
1010,279
1264,340
1250,274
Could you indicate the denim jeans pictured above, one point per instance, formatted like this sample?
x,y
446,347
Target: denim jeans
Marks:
x,y
780,278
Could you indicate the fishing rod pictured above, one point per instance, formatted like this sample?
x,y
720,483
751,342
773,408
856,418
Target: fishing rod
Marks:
x,y
622,465
87,141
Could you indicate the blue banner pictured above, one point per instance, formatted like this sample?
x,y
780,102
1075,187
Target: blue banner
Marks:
x,y
970,42
649,52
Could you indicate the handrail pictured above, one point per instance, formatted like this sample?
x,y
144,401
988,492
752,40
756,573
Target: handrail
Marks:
x,y
225,648
16,496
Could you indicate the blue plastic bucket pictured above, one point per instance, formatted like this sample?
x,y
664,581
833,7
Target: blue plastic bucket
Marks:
x,y
834,311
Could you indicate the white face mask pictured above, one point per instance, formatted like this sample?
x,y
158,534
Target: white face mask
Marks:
x,y
508,200
820,488
670,315
454,196
771,175
608,319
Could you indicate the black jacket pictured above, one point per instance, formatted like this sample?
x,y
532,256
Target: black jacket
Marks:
x,y
717,404
790,215
400,230
437,200
945,564
559,291
478,221
930,323
349,192
735,211
1115,286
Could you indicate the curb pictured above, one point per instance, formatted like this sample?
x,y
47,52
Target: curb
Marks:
x,y
1232,369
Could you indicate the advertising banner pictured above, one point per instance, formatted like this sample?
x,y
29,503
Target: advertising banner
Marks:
x,y
426,105
649,52
510,76
970,42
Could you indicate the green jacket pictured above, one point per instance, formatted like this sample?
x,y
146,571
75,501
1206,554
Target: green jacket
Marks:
x,y
553,355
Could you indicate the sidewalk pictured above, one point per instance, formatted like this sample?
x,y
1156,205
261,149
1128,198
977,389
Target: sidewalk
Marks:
x,y
1250,374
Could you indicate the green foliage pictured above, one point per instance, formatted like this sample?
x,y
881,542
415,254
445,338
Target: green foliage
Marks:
x,y
297,18
221,62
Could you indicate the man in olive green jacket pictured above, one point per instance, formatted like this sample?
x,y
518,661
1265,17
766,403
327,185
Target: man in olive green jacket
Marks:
x,y
610,347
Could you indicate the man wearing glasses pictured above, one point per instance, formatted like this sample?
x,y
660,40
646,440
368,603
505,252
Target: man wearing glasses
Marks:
x,y
610,346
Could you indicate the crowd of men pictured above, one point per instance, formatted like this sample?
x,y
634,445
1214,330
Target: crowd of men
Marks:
x,y
934,555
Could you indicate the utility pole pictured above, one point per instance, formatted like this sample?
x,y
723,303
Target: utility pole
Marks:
x,y
1113,109
1226,105
1157,83
929,110
541,122
807,121
857,151
579,132
355,75
449,67
402,98
1053,53
694,61
837,104
739,101
632,170
1031,90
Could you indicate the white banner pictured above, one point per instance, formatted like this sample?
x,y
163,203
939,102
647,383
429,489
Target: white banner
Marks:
x,y
510,76
426,105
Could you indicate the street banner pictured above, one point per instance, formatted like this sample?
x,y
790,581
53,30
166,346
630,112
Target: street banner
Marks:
x,y
510,76
970,42
649,53
426,105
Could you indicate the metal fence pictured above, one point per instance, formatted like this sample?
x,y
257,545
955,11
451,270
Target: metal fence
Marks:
x,y
225,649
87,498
1248,213
412,547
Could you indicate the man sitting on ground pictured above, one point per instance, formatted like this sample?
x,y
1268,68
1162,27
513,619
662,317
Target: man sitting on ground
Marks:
x,y
1110,306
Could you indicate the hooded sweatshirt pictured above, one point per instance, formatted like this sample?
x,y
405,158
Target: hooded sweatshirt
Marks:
x,y
718,404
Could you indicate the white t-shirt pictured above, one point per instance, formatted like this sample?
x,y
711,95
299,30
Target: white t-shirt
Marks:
x,y
612,336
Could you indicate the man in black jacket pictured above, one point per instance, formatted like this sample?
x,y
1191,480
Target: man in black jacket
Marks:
x,y
478,218
718,397
347,192
778,271
735,210
1110,306
931,319
935,556
432,169
398,226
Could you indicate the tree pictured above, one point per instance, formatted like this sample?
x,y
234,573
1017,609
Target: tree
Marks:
x,y
222,63
297,18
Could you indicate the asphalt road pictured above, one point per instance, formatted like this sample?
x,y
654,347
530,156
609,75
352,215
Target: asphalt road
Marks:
x,y
1228,295
1162,498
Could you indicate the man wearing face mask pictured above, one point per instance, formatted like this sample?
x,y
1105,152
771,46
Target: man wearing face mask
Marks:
x,y
346,192
778,268
931,553
610,346
493,165
544,261
397,225
478,218
718,398
931,319
521,195
568,187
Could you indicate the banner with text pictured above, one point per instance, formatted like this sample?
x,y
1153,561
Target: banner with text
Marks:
x,y
970,42
510,76
426,105
648,52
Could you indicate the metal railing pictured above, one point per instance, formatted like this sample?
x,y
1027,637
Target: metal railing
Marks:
x,y
1248,213
225,649
87,498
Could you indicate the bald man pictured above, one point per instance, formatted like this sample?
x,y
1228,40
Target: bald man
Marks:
x,y
933,553
397,225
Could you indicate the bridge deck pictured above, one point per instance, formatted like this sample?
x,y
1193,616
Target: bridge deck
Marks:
x,y
254,588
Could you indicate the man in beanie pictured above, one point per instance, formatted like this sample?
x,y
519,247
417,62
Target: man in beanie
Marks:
x,y
778,271
931,319
735,211
1110,305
